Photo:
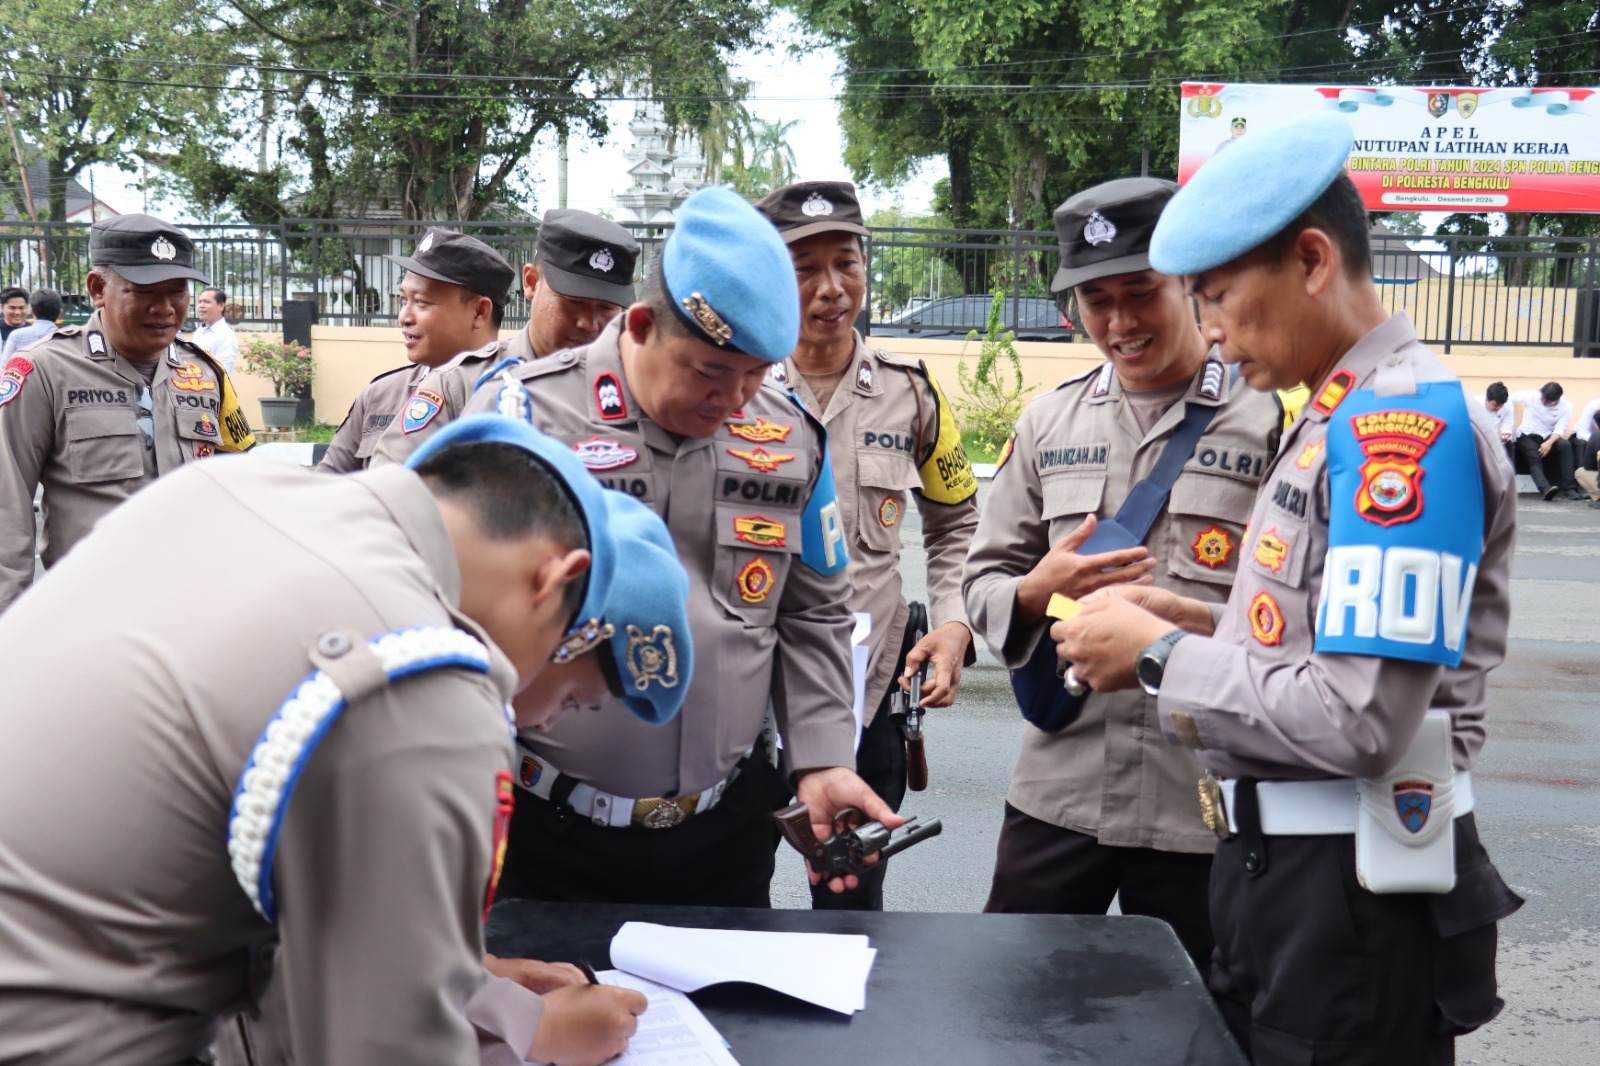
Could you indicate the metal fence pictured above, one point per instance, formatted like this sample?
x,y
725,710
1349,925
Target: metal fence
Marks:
x,y
933,283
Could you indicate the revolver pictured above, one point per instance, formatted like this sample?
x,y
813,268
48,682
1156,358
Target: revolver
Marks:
x,y
846,851
906,706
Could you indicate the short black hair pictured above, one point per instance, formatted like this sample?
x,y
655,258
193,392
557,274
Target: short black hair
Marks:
x,y
46,304
498,312
1497,393
217,294
1551,391
11,293
1340,214
654,292
511,495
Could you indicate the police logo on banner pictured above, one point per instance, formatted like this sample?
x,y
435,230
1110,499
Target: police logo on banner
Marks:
x,y
1398,577
421,409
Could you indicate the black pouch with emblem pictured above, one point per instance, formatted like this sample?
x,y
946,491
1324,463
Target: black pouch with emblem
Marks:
x,y
1039,684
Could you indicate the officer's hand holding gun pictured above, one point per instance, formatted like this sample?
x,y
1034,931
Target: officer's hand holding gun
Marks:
x,y
855,844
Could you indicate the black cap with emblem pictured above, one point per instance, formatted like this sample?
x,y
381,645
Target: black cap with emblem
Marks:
x,y
807,208
587,257
445,255
143,250
1106,229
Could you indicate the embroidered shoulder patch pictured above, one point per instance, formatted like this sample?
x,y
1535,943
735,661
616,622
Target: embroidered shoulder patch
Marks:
x,y
421,409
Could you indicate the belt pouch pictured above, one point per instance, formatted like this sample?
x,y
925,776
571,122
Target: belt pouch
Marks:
x,y
1404,836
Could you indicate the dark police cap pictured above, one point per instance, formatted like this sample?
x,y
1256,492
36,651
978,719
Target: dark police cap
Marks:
x,y
1106,229
587,257
143,249
445,255
807,208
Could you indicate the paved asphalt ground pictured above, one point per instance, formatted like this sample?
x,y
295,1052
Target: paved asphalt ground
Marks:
x,y
1537,784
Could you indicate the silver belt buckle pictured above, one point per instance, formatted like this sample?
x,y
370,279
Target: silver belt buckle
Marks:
x,y
660,812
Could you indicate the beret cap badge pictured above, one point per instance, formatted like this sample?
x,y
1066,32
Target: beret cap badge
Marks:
x,y
707,319
815,205
651,657
425,243
163,249
1098,229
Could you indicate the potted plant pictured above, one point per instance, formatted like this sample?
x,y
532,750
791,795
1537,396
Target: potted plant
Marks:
x,y
289,366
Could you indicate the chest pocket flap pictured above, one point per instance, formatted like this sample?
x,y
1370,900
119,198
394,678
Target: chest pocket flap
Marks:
x,y
883,480
1071,496
1207,515
103,444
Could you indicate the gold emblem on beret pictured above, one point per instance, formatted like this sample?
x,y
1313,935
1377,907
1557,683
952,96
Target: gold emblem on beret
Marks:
x,y
581,639
707,319
163,249
651,657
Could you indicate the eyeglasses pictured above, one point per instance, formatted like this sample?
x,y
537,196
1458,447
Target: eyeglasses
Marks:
x,y
146,419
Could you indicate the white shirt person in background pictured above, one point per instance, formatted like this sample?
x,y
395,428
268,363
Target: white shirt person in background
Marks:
x,y
1542,441
214,334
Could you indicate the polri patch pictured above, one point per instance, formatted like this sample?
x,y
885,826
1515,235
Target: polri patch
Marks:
x,y
1333,392
421,409
755,580
1213,547
760,431
1394,443
608,396
889,511
760,530
1266,620
761,459
598,454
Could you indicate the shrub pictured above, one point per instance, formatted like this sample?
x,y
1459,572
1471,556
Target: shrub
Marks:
x,y
288,366
991,405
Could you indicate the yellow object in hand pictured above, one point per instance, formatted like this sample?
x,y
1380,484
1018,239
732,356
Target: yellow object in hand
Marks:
x,y
1062,607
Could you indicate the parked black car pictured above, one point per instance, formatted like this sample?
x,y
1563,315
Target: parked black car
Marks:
x,y
1034,318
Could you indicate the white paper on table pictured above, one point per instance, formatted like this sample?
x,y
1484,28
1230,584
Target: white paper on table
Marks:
x,y
827,969
860,656
672,1031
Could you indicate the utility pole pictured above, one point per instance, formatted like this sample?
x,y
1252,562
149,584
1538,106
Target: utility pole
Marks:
x,y
561,172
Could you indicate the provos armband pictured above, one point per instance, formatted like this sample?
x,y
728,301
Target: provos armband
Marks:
x,y
821,532
947,475
1405,532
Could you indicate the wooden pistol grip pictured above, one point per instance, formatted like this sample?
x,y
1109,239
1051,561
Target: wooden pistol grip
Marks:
x,y
916,765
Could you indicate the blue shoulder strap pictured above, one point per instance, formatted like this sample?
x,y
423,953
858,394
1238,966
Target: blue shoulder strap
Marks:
x,y
292,734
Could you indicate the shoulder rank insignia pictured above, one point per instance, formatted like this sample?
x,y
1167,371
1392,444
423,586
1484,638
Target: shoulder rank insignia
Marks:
x,y
1212,547
755,580
1333,392
760,530
97,343
651,657
779,374
760,431
1102,384
420,410
608,395
597,454
1266,620
1211,383
761,459
864,376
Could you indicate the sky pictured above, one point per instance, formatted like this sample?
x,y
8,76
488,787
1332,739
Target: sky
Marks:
x,y
784,87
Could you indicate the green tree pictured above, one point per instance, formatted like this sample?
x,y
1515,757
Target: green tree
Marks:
x,y
104,81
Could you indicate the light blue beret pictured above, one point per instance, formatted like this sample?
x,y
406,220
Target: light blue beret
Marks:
x,y
589,494
1248,193
650,647
729,276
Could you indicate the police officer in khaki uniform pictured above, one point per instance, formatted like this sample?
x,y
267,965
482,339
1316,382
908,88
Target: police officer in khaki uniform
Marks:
x,y
892,436
95,412
669,407
452,300
1102,806
580,279
1337,700
359,829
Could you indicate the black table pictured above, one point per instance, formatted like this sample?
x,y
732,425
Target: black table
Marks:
x,y
1012,989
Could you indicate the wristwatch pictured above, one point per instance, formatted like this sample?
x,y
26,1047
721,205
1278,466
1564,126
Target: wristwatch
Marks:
x,y
1152,662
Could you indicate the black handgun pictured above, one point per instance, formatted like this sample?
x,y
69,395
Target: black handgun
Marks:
x,y
907,705
853,840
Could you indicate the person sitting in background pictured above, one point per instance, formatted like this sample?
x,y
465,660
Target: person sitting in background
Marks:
x,y
46,305
1542,441
1497,401
1585,440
